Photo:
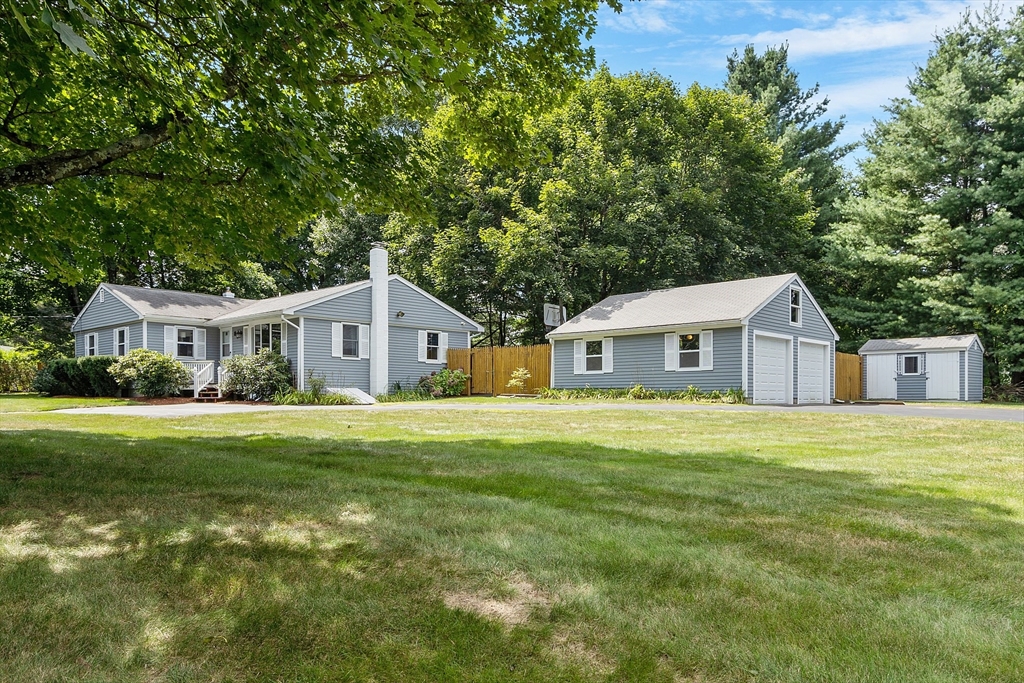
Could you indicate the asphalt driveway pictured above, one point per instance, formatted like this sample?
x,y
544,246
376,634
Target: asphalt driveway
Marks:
x,y
943,411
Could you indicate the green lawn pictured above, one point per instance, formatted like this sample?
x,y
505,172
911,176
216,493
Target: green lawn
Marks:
x,y
30,403
510,546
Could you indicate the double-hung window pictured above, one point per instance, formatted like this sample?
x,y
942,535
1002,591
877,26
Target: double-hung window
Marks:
x,y
225,343
266,336
689,350
433,346
592,356
911,365
349,340
90,344
121,341
795,306
186,342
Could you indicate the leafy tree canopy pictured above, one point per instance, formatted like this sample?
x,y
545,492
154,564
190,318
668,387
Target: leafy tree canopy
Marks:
x,y
934,239
201,127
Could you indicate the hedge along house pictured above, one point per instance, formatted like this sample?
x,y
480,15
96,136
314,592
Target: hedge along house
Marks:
x,y
367,335
766,336
924,368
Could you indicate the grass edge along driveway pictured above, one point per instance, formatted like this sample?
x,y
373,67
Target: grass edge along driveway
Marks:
x,y
591,545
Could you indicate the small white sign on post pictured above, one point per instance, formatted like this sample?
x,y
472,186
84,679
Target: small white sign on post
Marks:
x,y
553,315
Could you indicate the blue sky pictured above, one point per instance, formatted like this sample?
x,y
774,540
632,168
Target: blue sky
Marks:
x,y
862,53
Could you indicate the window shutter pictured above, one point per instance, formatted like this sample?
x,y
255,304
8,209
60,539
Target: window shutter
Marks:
x,y
170,340
442,353
671,352
421,353
577,357
127,340
113,346
364,341
606,354
336,340
200,348
246,340
707,350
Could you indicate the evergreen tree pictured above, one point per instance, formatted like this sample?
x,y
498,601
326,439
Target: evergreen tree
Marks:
x,y
934,239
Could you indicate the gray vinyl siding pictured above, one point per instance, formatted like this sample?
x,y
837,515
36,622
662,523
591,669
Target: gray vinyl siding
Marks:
x,y
351,307
111,313
419,311
105,340
975,372
291,348
911,387
317,358
404,366
962,368
774,318
640,359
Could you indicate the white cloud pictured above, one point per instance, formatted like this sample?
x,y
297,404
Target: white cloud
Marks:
x,y
900,25
645,17
865,96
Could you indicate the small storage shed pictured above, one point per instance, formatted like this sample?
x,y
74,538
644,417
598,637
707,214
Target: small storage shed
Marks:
x,y
923,368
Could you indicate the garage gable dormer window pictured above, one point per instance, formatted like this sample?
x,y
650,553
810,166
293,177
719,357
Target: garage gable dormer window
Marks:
x,y
689,350
796,301
592,356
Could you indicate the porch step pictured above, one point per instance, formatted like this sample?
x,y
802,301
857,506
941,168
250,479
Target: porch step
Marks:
x,y
209,394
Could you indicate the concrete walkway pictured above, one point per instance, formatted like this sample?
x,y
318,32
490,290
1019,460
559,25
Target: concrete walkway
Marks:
x,y
971,412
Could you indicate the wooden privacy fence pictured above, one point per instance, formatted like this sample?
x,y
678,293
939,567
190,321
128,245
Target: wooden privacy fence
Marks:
x,y
849,377
491,367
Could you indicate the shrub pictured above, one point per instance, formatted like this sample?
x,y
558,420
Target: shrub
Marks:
x,y
316,395
400,395
518,380
259,377
17,370
85,376
150,373
444,383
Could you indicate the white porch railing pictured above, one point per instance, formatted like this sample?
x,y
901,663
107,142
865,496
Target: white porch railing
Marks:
x,y
202,374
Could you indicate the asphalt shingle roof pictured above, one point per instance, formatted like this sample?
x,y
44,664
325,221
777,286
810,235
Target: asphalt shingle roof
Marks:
x,y
173,304
276,304
694,305
959,341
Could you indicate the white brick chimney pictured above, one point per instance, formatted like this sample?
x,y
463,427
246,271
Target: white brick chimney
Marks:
x,y
378,319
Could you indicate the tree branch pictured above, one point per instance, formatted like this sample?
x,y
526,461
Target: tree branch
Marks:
x,y
70,163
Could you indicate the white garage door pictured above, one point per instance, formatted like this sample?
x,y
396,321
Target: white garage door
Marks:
x,y
943,375
881,376
811,373
769,370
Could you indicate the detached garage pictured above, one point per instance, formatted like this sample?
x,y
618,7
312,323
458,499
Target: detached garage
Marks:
x,y
766,336
924,368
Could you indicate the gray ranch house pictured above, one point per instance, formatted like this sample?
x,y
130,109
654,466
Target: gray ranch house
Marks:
x,y
924,368
367,335
766,336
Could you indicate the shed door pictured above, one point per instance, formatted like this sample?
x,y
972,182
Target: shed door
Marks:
x,y
943,370
881,376
811,373
770,370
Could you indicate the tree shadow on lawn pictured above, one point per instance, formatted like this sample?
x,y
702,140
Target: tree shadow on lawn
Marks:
x,y
312,559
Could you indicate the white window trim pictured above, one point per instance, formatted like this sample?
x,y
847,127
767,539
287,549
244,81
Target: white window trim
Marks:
x,y
341,339
701,367
230,344
95,337
606,355
903,364
127,341
800,308
441,348
177,343
251,331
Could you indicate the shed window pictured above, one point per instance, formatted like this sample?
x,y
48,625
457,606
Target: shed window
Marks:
x,y
186,342
689,350
795,306
595,356
911,365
